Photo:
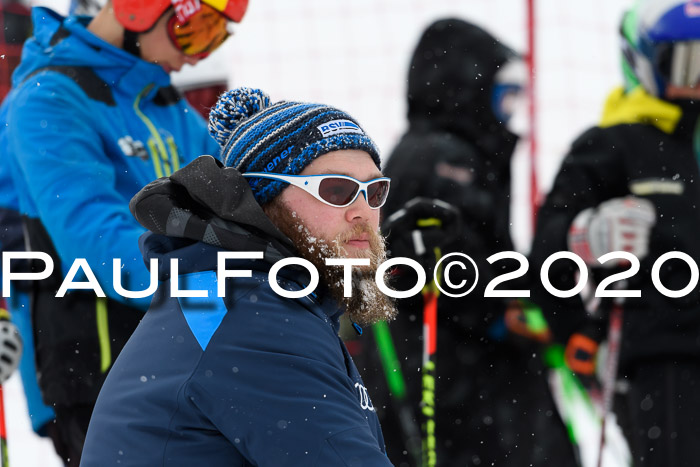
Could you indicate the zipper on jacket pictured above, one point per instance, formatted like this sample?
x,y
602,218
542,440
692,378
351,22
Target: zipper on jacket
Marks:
x,y
162,162
153,151
173,151
103,334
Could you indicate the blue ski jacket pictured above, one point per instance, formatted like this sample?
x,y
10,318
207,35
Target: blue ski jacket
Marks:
x,y
248,379
87,125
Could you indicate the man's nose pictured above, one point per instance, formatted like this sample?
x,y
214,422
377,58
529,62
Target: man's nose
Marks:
x,y
359,209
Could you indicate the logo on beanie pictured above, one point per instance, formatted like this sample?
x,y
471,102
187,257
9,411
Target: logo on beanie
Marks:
x,y
336,127
271,165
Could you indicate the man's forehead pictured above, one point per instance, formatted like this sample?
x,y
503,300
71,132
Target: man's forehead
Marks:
x,y
330,170
351,162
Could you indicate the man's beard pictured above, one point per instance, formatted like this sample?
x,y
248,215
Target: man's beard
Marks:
x,y
367,304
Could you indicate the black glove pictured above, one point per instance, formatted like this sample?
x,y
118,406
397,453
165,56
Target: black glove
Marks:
x,y
421,226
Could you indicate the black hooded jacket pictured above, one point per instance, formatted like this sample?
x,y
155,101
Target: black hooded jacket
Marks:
x,y
629,158
455,149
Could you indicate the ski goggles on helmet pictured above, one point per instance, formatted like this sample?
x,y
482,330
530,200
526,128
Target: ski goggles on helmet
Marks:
x,y
679,62
200,34
335,190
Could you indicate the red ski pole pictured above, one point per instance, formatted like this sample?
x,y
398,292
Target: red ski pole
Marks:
x,y
432,223
3,429
428,400
614,339
430,307
3,432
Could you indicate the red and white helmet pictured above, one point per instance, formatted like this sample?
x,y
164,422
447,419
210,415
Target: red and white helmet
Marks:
x,y
141,15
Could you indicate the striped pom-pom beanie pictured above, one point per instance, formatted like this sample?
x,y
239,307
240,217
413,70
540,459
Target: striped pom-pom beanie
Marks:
x,y
258,136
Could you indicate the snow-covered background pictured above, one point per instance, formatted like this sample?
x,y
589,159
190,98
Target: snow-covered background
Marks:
x,y
354,55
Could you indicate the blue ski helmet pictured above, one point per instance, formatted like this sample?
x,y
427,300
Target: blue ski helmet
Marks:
x,y
661,44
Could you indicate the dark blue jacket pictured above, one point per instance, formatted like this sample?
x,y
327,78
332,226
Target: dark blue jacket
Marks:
x,y
249,379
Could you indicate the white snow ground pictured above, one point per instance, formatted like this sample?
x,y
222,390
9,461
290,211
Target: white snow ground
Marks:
x,y
25,448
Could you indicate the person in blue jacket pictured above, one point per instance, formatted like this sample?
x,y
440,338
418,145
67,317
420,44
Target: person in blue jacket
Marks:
x,y
91,119
249,376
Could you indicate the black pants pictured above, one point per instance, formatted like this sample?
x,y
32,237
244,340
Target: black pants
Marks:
x,y
660,415
68,432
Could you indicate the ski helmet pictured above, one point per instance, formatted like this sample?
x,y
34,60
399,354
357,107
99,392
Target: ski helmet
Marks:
x,y
661,44
141,15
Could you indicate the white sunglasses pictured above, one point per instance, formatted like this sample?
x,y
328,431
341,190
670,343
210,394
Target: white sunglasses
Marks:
x,y
335,190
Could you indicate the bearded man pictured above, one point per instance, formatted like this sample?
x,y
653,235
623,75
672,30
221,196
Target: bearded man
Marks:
x,y
253,377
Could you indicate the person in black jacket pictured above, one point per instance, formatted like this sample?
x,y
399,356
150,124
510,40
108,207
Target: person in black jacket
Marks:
x,y
492,399
631,184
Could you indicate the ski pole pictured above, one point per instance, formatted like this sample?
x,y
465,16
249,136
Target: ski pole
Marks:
x,y
3,431
614,339
397,387
432,223
430,305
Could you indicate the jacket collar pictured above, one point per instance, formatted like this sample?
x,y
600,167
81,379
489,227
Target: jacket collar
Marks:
x,y
74,45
